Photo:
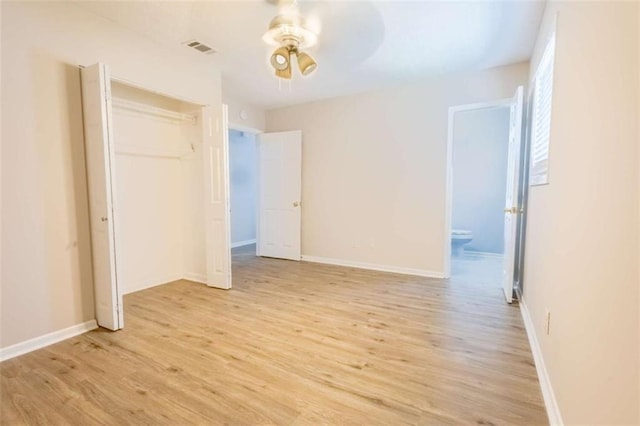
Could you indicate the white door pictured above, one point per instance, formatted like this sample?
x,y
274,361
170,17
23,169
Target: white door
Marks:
x,y
280,187
96,106
511,209
216,196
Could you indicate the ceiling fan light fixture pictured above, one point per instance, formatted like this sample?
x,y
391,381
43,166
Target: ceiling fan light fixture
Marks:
x,y
289,29
306,63
281,58
285,73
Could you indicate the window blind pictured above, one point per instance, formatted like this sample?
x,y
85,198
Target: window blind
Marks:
x,y
541,117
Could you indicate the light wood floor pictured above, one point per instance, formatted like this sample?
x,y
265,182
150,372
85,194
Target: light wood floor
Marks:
x,y
293,343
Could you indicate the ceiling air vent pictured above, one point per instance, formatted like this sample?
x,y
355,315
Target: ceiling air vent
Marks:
x,y
200,47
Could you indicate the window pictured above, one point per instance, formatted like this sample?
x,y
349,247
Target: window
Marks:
x,y
541,117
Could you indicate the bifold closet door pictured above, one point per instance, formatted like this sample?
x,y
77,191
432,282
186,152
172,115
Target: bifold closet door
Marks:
x,y
216,196
96,104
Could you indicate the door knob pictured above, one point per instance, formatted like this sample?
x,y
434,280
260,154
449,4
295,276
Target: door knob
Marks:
x,y
104,219
297,204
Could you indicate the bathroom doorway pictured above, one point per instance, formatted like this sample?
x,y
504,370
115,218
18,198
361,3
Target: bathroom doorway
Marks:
x,y
483,170
243,191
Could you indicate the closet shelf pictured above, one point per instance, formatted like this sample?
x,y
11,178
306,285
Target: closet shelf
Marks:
x,y
151,110
184,152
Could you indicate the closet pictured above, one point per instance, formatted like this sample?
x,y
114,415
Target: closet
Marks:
x,y
158,190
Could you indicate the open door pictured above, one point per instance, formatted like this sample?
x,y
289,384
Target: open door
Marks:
x,y
216,196
512,209
96,105
280,187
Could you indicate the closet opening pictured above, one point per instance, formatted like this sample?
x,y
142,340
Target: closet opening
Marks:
x,y
156,172
158,186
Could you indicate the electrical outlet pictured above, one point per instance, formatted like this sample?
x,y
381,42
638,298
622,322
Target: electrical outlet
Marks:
x,y
547,321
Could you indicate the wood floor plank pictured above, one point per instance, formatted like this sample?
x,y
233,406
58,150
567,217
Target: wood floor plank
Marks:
x,y
292,343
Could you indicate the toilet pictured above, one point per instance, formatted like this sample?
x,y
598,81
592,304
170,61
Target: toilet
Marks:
x,y
460,238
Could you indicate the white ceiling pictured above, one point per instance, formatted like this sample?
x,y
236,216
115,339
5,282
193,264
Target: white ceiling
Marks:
x,y
363,45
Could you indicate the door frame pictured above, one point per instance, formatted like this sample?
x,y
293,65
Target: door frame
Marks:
x,y
523,198
201,106
202,279
448,209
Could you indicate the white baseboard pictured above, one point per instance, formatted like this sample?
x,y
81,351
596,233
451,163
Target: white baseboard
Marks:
x,y
152,283
46,340
190,276
550,402
195,277
373,266
243,243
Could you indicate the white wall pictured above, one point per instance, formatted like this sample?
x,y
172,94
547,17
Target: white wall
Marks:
x,y
373,168
149,220
480,150
253,118
581,259
243,171
46,278
194,251
638,153
1,133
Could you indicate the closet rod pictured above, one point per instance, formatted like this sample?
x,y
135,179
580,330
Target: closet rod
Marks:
x,y
151,110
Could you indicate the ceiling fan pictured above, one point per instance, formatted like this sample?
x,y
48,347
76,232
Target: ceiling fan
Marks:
x,y
290,33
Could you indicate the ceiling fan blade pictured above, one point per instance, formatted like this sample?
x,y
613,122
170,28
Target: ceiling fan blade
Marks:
x,y
281,3
351,31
